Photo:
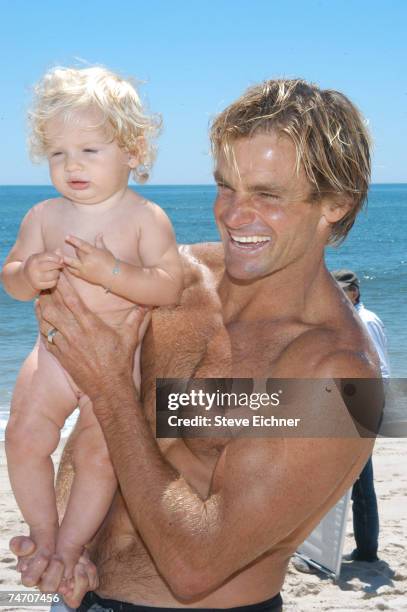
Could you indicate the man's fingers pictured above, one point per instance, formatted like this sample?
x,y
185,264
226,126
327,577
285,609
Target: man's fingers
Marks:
x,y
51,578
79,244
80,587
53,309
21,546
36,568
72,301
90,569
135,321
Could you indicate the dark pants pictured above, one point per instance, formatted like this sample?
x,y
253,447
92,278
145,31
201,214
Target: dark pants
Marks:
x,y
365,515
94,603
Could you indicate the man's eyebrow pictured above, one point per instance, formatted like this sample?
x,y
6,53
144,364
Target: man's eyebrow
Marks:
x,y
266,187
219,178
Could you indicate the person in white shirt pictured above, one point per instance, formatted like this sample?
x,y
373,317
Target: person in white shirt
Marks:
x,y
365,512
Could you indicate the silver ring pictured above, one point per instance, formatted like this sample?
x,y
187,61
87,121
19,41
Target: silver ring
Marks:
x,y
50,335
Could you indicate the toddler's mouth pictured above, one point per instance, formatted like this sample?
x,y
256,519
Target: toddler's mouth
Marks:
x,y
78,184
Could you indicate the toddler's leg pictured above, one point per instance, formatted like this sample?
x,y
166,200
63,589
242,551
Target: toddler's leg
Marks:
x,y
92,491
41,402
94,483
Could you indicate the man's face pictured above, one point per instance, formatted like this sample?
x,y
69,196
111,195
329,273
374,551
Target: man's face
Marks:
x,y
352,293
262,209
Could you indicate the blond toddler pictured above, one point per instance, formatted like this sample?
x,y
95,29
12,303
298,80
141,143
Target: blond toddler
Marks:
x,y
118,250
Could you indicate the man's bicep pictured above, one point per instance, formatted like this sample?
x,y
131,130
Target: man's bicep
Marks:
x,y
272,487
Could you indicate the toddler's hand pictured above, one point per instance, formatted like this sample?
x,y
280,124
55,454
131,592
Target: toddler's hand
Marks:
x,y
94,263
42,270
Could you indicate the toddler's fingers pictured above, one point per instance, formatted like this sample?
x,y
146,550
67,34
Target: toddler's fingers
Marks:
x,y
49,275
79,244
99,242
50,257
74,271
47,284
48,265
72,262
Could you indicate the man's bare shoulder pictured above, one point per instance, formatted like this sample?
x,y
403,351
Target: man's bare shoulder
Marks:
x,y
207,254
203,264
338,346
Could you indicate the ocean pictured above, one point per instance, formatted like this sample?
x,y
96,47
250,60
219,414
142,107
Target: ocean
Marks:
x,y
376,250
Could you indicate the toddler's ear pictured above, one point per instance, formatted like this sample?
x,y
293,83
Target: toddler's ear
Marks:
x,y
132,161
137,155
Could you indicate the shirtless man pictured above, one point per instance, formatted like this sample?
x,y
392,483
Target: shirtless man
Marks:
x,y
212,523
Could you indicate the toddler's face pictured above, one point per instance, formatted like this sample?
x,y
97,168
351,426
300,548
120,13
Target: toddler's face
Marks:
x,y
86,166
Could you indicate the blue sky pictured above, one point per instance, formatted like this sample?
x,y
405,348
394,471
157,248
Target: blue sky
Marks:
x,y
197,56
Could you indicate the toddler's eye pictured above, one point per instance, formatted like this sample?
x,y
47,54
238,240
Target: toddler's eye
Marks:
x,y
56,153
90,150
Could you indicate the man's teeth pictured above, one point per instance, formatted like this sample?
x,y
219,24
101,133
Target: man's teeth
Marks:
x,y
253,239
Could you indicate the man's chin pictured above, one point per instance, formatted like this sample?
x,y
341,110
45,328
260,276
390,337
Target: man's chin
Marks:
x,y
242,276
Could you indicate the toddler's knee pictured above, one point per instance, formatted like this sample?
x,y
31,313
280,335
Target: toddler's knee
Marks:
x,y
17,438
24,439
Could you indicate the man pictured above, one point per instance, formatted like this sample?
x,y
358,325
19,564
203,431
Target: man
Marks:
x,y
364,508
212,522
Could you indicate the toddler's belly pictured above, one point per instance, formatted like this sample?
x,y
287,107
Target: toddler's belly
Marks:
x,y
111,308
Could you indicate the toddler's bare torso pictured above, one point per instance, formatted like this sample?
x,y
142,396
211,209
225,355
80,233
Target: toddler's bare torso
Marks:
x,y
120,228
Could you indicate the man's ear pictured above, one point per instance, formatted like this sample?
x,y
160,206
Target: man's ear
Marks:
x,y
335,207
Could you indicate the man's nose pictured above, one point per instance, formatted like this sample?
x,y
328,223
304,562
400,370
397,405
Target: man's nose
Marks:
x,y
239,212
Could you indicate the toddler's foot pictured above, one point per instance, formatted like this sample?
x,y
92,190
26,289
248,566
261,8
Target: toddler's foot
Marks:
x,y
69,553
33,566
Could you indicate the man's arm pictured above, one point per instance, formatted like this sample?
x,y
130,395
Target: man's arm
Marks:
x,y
196,543
158,281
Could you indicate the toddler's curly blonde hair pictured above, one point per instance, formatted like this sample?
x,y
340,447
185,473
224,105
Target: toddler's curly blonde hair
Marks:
x,y
68,90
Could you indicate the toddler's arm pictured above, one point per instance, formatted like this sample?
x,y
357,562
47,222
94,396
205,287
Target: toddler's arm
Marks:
x,y
157,282
29,269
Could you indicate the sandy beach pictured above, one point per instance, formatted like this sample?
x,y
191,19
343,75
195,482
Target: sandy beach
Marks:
x,y
361,586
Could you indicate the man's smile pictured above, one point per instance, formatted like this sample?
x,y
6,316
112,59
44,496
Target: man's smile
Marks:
x,y
250,242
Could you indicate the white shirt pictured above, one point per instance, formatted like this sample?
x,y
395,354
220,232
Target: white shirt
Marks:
x,y
375,328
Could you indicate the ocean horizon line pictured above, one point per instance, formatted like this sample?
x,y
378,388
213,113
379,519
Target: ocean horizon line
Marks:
x,y
144,186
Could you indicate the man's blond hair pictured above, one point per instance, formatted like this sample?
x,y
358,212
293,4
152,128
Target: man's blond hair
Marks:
x,y
64,91
329,133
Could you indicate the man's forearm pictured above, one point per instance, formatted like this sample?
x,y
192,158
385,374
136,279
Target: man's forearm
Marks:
x,y
170,516
16,283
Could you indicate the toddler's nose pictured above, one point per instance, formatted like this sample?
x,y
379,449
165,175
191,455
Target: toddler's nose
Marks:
x,y
72,163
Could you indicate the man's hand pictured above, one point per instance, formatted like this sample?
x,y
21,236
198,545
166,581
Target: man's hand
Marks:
x,y
90,350
42,270
50,571
93,263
